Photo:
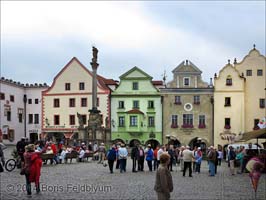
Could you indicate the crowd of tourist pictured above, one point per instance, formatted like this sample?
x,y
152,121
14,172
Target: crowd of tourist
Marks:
x,y
163,159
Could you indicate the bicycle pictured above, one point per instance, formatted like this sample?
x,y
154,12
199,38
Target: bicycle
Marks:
x,y
11,164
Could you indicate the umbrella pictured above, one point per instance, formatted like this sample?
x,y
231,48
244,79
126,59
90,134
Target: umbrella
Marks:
x,y
251,163
254,166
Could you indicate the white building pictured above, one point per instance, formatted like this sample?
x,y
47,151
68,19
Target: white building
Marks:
x,y
16,100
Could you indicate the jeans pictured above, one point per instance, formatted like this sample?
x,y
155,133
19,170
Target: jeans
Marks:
x,y
149,165
111,165
212,168
123,163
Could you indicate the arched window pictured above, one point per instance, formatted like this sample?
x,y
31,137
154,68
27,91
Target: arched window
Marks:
x,y
229,80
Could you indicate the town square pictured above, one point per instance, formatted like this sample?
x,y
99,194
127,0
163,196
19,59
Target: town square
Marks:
x,y
133,100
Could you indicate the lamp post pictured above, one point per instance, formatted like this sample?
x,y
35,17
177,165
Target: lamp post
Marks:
x,y
25,114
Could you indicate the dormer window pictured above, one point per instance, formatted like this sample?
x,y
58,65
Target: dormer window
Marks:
x,y
186,81
229,81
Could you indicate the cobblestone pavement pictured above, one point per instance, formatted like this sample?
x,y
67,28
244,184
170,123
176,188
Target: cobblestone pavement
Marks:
x,y
90,180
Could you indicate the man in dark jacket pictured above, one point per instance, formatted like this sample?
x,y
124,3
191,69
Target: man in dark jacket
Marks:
x,y
134,157
111,156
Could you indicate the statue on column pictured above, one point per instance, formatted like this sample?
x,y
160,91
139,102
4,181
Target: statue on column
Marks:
x,y
94,54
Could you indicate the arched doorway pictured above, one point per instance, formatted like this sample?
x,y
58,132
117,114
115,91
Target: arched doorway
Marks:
x,y
175,142
133,142
118,141
198,142
153,143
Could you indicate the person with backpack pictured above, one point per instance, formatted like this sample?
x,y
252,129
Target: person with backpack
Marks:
x,y
111,157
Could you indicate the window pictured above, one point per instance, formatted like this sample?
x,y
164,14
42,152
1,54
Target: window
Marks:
x,y
202,121
151,121
81,86
187,121
227,124
178,100
136,104
174,120
56,103
197,100
186,81
150,104
36,118
67,86
2,96
227,101
121,104
71,119
249,72
229,81
121,121
83,102
20,115
135,85
12,98
262,103
71,102
36,101
56,120
259,72
133,121
256,127
29,101
30,118
84,119
8,114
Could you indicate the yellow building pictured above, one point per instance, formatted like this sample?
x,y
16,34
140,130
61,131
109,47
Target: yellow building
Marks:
x,y
71,93
239,97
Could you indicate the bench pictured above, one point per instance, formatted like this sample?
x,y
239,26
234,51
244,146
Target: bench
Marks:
x,y
88,155
46,157
71,155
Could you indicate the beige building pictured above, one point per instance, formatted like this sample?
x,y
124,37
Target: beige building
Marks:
x,y
239,97
187,108
71,93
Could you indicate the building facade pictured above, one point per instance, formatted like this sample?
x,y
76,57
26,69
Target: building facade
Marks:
x,y
69,95
187,108
20,110
239,97
136,109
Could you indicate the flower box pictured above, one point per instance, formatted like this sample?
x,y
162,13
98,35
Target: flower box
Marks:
x,y
227,127
174,126
202,126
187,126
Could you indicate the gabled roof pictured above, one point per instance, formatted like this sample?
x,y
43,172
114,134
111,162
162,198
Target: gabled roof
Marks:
x,y
187,66
125,75
103,82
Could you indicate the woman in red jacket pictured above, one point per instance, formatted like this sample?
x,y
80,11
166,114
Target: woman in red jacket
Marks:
x,y
32,167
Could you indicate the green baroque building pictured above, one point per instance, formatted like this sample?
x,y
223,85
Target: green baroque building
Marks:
x,y
136,110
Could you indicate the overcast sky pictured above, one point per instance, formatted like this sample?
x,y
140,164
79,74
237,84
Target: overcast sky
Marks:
x,y
39,38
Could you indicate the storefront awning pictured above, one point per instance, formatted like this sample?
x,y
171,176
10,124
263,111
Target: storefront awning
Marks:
x,y
257,134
